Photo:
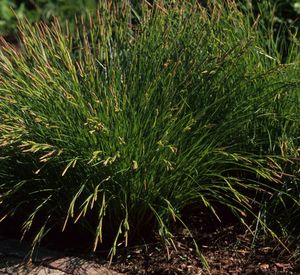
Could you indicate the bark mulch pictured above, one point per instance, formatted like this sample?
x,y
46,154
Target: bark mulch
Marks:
x,y
228,249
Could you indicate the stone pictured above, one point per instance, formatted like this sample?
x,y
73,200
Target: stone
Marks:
x,y
13,255
29,269
22,250
78,266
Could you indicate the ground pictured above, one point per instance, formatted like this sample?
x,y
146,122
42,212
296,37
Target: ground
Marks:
x,y
227,251
227,248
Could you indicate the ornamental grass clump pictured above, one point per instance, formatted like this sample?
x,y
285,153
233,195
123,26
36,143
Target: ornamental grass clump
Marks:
x,y
120,125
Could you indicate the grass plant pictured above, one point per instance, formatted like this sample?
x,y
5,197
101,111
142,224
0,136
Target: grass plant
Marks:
x,y
117,127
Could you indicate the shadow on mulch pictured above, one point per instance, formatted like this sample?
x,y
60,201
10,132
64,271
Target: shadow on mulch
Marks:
x,y
227,248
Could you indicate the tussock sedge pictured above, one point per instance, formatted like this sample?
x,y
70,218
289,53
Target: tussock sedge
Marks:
x,y
120,125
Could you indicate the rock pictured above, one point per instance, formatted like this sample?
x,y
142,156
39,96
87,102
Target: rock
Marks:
x,y
22,250
29,269
78,266
13,254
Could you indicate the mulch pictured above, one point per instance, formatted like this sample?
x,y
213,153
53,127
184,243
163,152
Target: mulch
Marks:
x,y
228,248
227,251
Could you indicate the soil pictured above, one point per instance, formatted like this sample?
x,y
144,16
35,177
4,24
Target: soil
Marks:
x,y
226,251
226,247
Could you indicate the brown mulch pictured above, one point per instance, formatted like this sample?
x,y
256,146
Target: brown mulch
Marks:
x,y
226,247
227,251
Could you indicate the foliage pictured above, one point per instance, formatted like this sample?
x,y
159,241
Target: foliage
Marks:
x,y
285,11
35,10
118,127
278,19
7,16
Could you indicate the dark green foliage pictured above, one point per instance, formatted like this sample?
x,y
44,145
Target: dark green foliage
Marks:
x,y
278,20
36,10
